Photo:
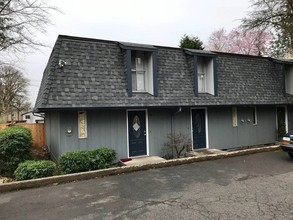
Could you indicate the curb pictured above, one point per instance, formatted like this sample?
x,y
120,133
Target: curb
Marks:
x,y
55,180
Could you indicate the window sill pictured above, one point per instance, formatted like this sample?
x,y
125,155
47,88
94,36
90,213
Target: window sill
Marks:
x,y
140,92
205,93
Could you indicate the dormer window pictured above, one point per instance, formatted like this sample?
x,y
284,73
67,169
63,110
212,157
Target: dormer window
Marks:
x,y
289,79
139,71
141,68
205,75
204,71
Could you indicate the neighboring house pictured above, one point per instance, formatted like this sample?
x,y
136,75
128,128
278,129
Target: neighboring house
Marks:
x,y
129,97
30,117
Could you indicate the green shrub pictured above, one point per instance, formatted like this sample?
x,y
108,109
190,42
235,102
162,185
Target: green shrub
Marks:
x,y
73,162
80,161
101,158
32,169
15,147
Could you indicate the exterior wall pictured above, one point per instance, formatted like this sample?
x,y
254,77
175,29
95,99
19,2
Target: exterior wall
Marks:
x,y
162,122
108,128
290,117
105,128
52,127
222,135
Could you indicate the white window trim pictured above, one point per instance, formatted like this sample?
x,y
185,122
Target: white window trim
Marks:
x,y
146,128
207,127
85,121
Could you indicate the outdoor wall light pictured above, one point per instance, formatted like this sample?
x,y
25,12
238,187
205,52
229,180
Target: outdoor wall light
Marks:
x,y
61,63
69,130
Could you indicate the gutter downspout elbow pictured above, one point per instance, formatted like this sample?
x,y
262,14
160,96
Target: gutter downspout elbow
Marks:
x,y
179,110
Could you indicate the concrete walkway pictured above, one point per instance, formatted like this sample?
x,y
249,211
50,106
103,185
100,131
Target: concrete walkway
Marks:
x,y
144,160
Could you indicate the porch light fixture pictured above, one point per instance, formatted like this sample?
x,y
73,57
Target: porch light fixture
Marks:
x,y
69,131
61,63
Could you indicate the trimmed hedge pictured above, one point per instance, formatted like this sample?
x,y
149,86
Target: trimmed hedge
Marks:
x,y
32,169
80,161
15,147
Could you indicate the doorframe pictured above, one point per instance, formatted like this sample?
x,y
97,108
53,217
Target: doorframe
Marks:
x,y
146,130
286,117
206,127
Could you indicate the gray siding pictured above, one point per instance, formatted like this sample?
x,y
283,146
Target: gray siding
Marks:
x,y
223,135
108,128
105,129
52,123
161,124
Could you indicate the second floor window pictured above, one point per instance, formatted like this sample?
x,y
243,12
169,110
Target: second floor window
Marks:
x,y
205,75
201,73
138,70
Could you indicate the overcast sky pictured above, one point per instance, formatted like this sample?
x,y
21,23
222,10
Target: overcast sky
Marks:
x,y
157,22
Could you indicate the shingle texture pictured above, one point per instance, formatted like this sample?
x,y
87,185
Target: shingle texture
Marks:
x,y
94,76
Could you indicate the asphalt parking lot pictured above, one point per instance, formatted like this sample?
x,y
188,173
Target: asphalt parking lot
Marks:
x,y
257,186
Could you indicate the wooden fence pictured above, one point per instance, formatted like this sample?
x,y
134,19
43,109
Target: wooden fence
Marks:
x,y
38,133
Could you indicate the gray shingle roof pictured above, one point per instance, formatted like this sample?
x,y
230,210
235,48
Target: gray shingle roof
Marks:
x,y
199,52
94,77
134,45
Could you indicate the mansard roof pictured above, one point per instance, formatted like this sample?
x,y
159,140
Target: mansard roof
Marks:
x,y
90,73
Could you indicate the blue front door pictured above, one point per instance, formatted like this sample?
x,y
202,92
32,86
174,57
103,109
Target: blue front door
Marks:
x,y
199,128
137,133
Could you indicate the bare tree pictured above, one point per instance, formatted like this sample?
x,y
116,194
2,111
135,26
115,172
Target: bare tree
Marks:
x,y
275,16
20,21
218,41
13,91
177,145
254,42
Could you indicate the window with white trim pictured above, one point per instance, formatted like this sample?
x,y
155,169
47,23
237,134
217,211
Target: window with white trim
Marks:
x,y
205,74
82,124
142,71
289,79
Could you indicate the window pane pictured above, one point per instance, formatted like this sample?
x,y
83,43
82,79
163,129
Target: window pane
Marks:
x,y
201,82
138,71
140,80
139,63
200,65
